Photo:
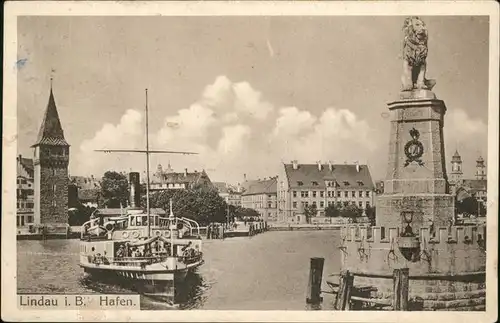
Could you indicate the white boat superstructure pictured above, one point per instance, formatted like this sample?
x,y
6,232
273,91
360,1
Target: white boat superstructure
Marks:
x,y
122,247
152,251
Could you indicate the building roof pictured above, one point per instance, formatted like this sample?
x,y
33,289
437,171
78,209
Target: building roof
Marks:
x,y
185,177
84,182
268,186
221,187
51,132
28,164
346,176
475,185
91,194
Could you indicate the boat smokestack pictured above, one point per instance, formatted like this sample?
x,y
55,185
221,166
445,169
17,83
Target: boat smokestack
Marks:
x,y
135,194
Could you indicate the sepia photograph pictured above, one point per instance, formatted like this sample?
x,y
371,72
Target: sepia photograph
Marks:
x,y
329,163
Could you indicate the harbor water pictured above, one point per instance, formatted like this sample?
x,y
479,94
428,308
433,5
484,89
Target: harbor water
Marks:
x,y
265,272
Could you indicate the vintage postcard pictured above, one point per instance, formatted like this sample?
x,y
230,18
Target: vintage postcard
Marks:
x,y
250,161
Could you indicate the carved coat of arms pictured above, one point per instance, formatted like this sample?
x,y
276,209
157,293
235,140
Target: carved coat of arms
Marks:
x,y
414,149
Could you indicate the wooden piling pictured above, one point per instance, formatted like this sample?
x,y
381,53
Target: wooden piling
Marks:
x,y
342,302
400,289
315,279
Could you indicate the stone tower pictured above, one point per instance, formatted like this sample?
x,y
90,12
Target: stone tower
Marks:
x,y
416,229
480,169
51,158
416,184
456,168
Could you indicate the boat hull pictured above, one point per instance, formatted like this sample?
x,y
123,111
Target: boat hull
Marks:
x,y
165,286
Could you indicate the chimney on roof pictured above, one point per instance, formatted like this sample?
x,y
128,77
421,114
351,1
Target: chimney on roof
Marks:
x,y
185,172
295,164
330,165
245,177
135,194
319,165
357,166
20,156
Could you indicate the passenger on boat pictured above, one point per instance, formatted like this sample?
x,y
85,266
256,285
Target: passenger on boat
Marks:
x,y
121,252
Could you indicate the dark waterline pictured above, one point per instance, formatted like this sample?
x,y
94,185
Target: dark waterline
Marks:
x,y
266,272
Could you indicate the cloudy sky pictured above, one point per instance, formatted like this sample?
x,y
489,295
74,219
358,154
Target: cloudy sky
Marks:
x,y
246,93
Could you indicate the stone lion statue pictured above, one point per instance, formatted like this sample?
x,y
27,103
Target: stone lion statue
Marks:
x,y
415,55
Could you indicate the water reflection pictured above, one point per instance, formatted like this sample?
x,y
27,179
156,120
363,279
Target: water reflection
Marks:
x,y
190,294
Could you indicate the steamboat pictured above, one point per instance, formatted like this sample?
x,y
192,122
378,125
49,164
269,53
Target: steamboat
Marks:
x,y
152,252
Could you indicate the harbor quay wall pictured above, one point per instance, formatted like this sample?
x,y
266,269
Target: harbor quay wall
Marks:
x,y
446,270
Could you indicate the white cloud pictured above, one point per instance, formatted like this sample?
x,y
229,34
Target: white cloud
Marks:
x,y
235,131
127,134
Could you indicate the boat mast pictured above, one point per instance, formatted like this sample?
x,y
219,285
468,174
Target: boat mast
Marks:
x,y
147,166
147,152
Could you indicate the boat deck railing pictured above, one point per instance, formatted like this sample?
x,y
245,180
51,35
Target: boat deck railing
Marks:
x,y
141,261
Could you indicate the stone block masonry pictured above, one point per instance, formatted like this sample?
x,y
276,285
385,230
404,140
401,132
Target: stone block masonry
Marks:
x,y
446,274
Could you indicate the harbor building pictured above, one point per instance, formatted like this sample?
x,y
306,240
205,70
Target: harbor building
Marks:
x,y
168,179
261,195
462,188
301,185
230,194
87,189
25,191
51,159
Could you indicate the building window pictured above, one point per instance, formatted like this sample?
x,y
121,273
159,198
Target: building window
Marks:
x,y
346,203
314,203
306,204
313,193
321,204
300,183
360,183
346,183
339,194
346,194
353,193
367,193
18,205
294,205
339,205
360,193
367,204
303,193
322,194
360,204
314,183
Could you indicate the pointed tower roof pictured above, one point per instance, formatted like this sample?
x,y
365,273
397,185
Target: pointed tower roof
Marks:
x,y
51,132
456,157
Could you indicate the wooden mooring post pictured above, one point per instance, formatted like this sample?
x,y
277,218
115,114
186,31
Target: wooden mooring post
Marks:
x,y
400,289
342,302
315,279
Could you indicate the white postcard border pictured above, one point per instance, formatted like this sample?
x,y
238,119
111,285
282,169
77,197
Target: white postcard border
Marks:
x,y
144,8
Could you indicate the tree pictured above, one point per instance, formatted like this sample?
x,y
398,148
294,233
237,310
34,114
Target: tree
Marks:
x,y
332,211
202,206
371,214
310,211
114,189
470,206
247,213
79,215
351,211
